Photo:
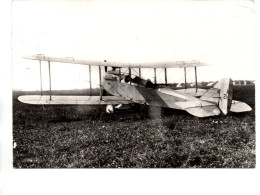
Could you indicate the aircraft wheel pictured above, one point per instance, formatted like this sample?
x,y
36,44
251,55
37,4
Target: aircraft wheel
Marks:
x,y
110,109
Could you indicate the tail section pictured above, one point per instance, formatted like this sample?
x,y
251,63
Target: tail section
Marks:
x,y
221,94
215,101
226,93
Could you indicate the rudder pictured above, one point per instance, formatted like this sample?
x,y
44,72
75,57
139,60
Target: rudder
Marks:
x,y
221,94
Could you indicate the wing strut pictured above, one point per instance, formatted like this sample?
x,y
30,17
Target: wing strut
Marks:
x,y
140,74
101,89
104,92
49,77
130,75
120,75
41,75
155,80
185,77
196,83
165,74
90,84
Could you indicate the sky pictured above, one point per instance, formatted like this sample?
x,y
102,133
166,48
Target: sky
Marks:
x,y
219,33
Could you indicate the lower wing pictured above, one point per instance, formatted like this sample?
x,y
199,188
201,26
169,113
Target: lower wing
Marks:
x,y
72,100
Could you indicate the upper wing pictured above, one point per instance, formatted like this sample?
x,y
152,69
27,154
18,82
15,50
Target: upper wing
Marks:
x,y
104,62
72,100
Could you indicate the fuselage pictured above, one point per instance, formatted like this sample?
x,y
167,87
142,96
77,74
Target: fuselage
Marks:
x,y
143,91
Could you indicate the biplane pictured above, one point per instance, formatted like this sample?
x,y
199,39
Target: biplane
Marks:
x,y
128,88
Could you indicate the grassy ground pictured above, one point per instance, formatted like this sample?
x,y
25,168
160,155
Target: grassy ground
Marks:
x,y
85,136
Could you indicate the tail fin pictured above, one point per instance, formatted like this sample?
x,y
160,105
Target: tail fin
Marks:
x,y
221,94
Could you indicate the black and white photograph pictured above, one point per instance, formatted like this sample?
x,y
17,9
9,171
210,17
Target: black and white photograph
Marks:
x,y
142,85
128,97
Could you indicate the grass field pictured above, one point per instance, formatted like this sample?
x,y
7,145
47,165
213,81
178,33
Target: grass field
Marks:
x,y
85,136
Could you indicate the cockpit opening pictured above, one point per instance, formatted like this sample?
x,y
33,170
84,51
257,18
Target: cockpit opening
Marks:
x,y
116,75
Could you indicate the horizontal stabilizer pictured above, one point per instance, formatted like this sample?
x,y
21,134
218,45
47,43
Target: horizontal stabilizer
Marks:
x,y
199,108
238,106
71,100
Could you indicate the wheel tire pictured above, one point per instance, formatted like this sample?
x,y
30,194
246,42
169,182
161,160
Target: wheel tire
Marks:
x,y
110,109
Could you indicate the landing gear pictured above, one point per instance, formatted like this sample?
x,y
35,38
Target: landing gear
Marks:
x,y
110,108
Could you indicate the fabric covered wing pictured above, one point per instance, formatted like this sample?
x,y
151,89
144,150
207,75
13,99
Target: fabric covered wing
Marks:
x,y
113,63
199,108
238,106
72,100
